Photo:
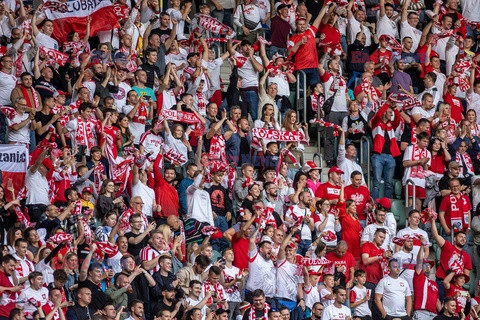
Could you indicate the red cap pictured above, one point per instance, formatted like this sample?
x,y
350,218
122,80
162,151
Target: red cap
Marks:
x,y
336,170
47,162
62,93
313,273
87,189
310,165
385,202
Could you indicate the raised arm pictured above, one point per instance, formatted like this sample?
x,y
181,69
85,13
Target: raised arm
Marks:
x,y
440,240
405,11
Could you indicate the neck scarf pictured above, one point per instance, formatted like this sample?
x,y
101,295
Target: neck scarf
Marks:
x,y
368,88
418,171
266,309
201,103
217,149
98,174
316,101
467,160
35,104
459,219
208,286
84,134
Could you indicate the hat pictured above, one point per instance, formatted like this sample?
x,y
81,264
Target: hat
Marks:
x,y
217,166
383,37
310,165
168,287
280,6
221,311
192,54
266,239
454,165
430,262
384,202
336,170
47,162
301,18
87,189
62,93
467,278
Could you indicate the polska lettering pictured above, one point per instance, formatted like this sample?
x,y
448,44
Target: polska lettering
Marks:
x,y
278,135
72,6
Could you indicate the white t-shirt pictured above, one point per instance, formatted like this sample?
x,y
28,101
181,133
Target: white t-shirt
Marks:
x,y
37,186
410,231
214,67
247,72
473,102
262,274
471,10
354,28
436,98
177,58
176,144
394,292
121,96
22,135
46,41
40,295
287,281
369,232
148,196
407,262
385,25
296,213
232,294
7,84
408,31
357,294
136,128
151,143
176,14
333,313
417,172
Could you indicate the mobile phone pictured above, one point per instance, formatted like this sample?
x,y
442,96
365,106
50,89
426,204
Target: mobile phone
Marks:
x,y
147,97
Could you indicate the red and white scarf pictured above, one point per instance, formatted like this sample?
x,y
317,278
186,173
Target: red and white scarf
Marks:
x,y
228,279
324,123
455,213
366,89
132,57
84,135
35,104
141,114
217,287
468,162
201,103
217,149
98,175
316,101
418,171
266,310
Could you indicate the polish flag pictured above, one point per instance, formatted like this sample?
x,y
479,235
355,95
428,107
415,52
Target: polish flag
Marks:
x,y
72,16
13,164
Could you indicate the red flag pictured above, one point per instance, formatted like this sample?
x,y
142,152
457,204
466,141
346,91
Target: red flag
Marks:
x,y
72,16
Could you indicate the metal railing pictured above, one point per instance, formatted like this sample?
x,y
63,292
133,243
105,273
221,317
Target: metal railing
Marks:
x,y
301,99
414,194
365,164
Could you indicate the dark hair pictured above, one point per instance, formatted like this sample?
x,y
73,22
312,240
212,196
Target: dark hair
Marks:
x,y
432,141
202,260
258,293
338,288
355,173
215,270
133,216
194,282
134,302
24,74
190,312
423,135
433,76
26,233
358,273
412,212
380,230
320,247
84,106
68,192
297,177
150,50
34,274
60,275
20,240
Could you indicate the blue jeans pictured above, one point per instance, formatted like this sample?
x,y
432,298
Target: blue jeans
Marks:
x,y
312,77
273,50
383,165
252,101
303,247
224,16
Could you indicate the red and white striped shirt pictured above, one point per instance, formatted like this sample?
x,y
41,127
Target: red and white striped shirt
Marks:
x,y
148,253
382,131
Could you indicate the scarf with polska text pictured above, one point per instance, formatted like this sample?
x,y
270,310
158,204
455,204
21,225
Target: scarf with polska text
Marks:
x,y
316,101
266,309
456,215
368,88
173,156
278,135
55,57
35,104
405,101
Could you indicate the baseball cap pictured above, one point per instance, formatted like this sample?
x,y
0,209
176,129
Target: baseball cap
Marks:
x,y
384,202
310,165
280,6
168,287
87,189
336,170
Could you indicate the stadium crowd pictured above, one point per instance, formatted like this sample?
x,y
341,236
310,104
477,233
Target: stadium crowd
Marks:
x,y
155,192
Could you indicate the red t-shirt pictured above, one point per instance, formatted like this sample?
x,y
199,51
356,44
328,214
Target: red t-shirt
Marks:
x,y
6,296
351,231
306,56
425,294
347,260
449,256
437,164
328,191
360,195
240,251
456,213
373,270
461,300
381,57
456,105
332,36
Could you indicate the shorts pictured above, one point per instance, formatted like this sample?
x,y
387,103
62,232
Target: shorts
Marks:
x,y
419,192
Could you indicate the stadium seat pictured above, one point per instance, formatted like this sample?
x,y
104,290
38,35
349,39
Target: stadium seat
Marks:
x,y
398,210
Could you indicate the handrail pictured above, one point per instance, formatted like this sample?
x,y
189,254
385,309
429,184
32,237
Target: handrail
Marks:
x,y
364,139
301,73
315,155
414,194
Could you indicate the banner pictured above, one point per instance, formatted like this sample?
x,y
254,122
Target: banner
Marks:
x,y
213,25
277,135
72,16
14,165
56,57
